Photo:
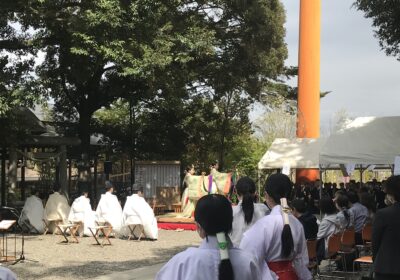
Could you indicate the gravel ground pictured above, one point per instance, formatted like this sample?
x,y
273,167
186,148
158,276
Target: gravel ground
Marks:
x,y
56,260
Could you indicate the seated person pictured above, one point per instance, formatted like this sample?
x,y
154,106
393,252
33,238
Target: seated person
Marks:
x,y
138,211
327,227
344,217
81,211
57,208
32,214
308,220
360,214
109,209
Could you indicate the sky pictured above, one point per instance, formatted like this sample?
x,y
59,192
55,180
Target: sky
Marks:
x,y
363,80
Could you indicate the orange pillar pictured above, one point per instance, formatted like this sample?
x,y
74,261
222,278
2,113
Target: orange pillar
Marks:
x,y
308,107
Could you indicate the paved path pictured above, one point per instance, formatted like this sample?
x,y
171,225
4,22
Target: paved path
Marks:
x,y
143,273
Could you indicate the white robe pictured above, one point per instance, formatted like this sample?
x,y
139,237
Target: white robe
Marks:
x,y
32,214
57,208
109,210
202,263
263,240
81,211
138,211
239,225
7,274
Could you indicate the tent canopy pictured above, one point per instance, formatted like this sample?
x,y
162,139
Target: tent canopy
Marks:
x,y
297,153
366,140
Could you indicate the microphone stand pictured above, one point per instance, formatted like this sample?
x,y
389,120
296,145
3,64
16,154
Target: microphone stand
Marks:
x,y
22,256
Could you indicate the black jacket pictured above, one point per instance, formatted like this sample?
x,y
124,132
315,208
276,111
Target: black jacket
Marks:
x,y
310,225
386,240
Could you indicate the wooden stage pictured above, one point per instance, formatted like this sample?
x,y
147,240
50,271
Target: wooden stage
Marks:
x,y
174,221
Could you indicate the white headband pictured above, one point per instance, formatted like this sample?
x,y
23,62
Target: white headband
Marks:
x,y
222,245
285,210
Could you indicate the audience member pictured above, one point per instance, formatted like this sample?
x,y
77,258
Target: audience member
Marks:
x,y
385,235
308,220
345,218
360,214
327,227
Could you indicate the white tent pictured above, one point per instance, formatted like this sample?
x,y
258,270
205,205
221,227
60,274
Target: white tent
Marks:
x,y
366,140
295,153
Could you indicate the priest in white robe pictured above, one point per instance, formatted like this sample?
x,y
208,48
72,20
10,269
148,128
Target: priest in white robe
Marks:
x,y
81,211
138,211
57,208
32,214
109,209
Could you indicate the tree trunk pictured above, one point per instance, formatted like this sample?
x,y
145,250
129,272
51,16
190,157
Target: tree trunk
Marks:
x,y
85,180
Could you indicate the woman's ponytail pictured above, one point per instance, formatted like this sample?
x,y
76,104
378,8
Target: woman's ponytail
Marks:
x,y
286,237
246,188
248,207
225,271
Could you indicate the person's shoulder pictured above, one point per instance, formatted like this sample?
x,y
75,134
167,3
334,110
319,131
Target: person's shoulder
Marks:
x,y
393,209
242,255
191,254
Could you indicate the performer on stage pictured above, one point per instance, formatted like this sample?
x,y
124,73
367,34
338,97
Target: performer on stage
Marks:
x,y
187,204
247,212
81,211
138,211
215,258
277,240
32,214
57,208
109,209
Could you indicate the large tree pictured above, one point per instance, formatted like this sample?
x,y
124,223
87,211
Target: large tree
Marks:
x,y
385,15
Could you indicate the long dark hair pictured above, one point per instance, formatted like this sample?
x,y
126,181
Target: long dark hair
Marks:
x,y
342,202
246,188
214,214
279,186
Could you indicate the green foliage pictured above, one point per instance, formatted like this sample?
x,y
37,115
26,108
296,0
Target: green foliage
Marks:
x,y
385,15
16,62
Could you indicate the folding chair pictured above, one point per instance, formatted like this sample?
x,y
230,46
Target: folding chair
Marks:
x,y
132,229
367,260
47,224
72,228
347,245
366,234
105,230
333,249
312,255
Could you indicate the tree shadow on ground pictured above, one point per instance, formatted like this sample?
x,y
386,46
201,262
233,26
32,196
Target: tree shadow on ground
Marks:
x,y
92,269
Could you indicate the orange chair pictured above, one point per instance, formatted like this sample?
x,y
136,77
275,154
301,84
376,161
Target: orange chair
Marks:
x,y
312,254
366,234
363,260
348,240
334,243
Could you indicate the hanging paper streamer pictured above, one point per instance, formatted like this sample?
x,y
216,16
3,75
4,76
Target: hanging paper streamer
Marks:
x,y
210,181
